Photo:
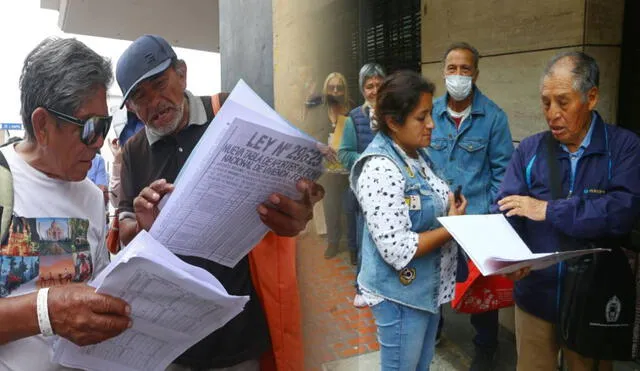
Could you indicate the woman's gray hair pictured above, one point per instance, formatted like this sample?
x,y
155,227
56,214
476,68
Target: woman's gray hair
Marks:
x,y
61,74
368,71
585,71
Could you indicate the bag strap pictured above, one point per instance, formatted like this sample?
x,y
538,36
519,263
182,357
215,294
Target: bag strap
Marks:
x,y
215,103
552,166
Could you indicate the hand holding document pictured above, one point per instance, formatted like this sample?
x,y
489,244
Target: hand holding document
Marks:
x,y
495,247
173,306
247,153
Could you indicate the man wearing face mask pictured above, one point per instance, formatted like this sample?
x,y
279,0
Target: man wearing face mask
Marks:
x,y
472,145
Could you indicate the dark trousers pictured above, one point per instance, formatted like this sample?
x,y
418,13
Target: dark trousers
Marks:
x,y
335,207
486,326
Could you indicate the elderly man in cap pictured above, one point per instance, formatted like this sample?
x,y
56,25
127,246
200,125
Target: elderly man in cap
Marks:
x,y
598,181
153,83
63,90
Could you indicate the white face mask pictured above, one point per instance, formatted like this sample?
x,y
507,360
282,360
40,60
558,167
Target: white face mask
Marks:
x,y
459,87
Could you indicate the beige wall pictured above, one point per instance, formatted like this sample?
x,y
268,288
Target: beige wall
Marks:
x,y
311,38
515,39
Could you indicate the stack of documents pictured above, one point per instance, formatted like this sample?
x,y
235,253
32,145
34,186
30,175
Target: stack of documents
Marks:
x,y
173,306
247,153
495,247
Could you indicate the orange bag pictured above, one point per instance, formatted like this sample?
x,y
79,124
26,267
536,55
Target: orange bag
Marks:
x,y
480,294
113,236
273,272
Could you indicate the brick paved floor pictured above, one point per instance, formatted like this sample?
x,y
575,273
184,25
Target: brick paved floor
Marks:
x,y
332,327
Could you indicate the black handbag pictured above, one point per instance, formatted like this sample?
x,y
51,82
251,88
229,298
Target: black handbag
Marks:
x,y
597,295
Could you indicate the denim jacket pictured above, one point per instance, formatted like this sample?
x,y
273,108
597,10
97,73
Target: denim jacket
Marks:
x,y
417,285
475,156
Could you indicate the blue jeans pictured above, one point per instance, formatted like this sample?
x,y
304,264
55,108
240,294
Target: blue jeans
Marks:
x,y
407,336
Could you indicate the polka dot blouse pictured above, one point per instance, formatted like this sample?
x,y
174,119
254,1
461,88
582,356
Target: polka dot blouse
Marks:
x,y
380,191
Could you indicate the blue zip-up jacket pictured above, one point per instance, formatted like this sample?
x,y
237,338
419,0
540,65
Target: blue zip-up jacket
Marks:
x,y
604,202
476,155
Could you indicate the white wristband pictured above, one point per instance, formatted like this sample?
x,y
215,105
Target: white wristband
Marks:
x,y
42,308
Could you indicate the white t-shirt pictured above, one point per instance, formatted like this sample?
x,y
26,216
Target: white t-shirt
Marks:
x,y
56,236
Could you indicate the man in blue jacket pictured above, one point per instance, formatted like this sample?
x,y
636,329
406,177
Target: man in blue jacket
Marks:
x,y
471,144
599,166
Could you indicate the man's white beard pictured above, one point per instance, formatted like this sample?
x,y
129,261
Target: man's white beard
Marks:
x,y
169,129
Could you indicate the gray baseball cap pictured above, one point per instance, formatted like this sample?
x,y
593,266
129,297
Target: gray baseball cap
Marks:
x,y
147,56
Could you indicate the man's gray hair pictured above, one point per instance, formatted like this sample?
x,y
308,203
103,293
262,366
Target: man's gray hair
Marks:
x,y
61,74
585,71
463,46
368,71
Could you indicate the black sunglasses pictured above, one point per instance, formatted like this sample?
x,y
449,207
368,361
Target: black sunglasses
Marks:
x,y
92,127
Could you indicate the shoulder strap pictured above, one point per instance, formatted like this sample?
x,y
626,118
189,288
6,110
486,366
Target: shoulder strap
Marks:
x,y
552,165
213,104
6,197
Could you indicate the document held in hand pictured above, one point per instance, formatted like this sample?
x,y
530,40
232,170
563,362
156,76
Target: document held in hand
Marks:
x,y
495,247
173,306
247,153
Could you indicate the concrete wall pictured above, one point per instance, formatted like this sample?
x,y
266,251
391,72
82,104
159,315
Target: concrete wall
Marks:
x,y
311,38
516,39
246,45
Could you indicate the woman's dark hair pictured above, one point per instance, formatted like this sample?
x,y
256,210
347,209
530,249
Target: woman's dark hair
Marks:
x,y
398,95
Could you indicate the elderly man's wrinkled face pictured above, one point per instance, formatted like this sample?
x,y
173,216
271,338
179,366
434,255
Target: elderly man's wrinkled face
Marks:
x,y
567,113
70,158
159,100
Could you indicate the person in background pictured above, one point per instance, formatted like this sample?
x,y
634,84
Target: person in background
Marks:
x,y
98,175
472,145
336,182
132,125
409,261
355,139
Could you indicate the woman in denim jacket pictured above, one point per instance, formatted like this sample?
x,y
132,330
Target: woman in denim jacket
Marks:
x,y
408,260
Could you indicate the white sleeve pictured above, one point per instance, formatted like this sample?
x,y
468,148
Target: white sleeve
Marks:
x,y
380,191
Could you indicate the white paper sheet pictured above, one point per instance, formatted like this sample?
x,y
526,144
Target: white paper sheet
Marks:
x,y
496,248
245,155
173,306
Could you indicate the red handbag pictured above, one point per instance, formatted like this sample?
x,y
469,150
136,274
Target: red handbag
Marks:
x,y
480,294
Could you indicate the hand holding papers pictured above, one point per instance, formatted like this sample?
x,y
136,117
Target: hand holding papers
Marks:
x,y
247,153
173,306
495,247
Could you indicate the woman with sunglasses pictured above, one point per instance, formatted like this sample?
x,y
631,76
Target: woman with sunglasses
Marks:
x,y
337,103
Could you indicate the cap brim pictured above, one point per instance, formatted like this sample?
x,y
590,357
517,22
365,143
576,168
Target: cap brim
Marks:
x,y
154,71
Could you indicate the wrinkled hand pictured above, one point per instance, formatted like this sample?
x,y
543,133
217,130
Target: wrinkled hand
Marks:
x,y
519,274
328,152
287,217
457,208
85,317
525,206
116,150
146,204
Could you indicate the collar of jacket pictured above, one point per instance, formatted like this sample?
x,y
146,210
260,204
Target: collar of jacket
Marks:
x,y
477,106
599,139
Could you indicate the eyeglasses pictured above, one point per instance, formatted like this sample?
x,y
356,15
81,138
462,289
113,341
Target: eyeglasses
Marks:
x,y
335,87
92,127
